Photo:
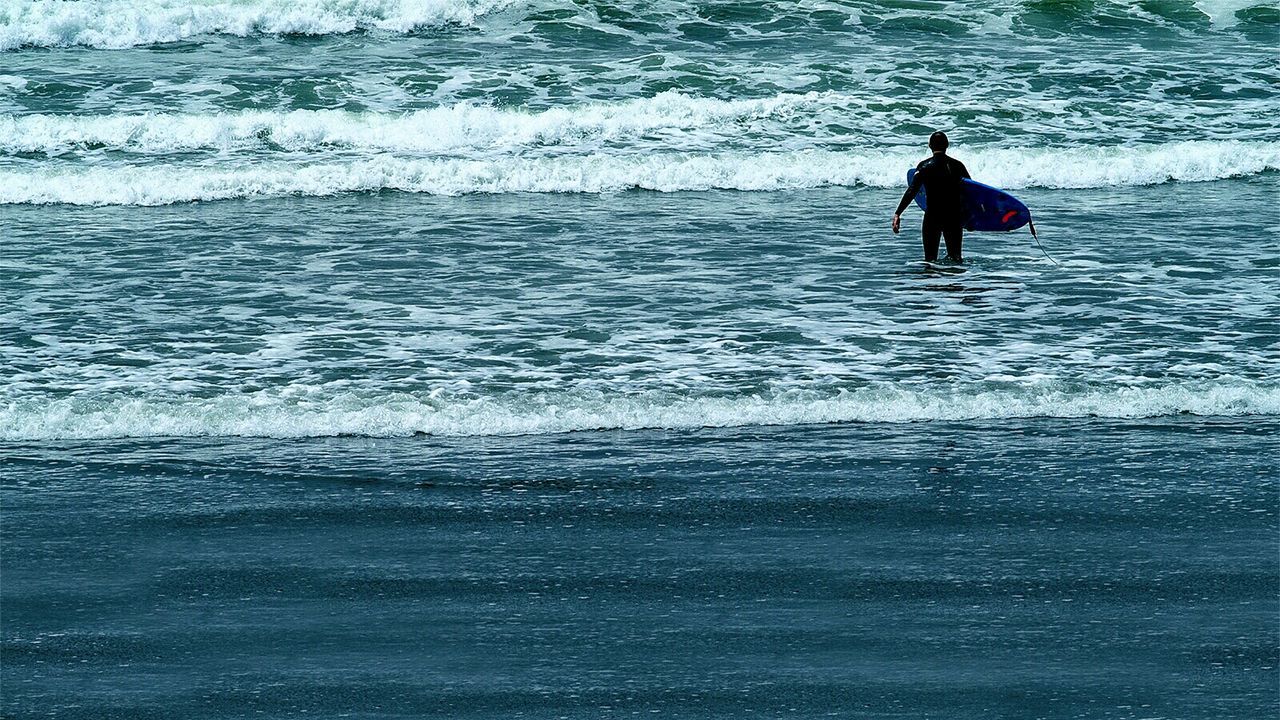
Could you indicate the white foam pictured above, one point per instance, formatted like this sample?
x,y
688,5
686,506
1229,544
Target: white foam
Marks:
x,y
12,83
668,121
160,184
1223,12
311,412
129,23
464,126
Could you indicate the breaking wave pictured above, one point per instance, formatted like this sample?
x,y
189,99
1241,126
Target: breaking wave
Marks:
x,y
131,23
667,121
602,173
463,126
288,414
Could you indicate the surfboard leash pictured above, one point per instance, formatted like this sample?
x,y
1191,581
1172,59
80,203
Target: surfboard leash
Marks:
x,y
1037,239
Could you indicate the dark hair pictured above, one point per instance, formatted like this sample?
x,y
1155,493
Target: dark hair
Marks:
x,y
938,141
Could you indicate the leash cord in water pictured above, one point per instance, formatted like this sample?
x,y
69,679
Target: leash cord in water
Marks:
x,y
1037,239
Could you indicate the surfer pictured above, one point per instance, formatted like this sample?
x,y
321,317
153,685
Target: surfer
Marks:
x,y
940,177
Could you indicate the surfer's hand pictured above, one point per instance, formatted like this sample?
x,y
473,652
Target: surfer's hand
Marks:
x,y
897,224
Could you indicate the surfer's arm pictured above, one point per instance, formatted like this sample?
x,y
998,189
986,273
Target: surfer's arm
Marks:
x,y
964,171
910,194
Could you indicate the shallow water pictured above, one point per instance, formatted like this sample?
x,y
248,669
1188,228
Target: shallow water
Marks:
x,y
398,313
1047,568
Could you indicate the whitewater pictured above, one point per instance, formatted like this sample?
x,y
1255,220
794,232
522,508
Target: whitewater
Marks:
x,y
295,412
750,147
129,23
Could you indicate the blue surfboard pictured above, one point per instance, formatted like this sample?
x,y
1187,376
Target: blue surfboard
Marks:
x,y
988,209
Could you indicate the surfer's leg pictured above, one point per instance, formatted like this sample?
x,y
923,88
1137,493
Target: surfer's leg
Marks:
x,y
954,233
931,232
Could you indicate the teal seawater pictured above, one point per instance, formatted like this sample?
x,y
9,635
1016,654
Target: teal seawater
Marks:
x,y
1054,569
554,359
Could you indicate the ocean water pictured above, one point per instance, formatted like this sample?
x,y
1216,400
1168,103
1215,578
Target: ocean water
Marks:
x,y
483,358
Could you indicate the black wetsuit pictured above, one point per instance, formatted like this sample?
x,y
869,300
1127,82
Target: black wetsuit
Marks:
x,y
940,177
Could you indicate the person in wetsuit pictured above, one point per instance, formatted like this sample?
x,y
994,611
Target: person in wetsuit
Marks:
x,y
940,177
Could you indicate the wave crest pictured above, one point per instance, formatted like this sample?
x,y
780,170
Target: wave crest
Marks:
x,y
131,23
464,126
603,173
300,413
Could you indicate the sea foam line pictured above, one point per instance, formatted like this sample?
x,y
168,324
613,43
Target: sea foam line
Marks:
x,y
463,126
162,184
130,23
304,414
667,121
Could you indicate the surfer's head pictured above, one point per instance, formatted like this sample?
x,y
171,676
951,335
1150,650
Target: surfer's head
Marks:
x,y
938,141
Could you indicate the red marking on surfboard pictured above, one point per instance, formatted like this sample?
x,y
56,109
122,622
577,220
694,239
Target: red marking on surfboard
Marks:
x,y
1008,215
